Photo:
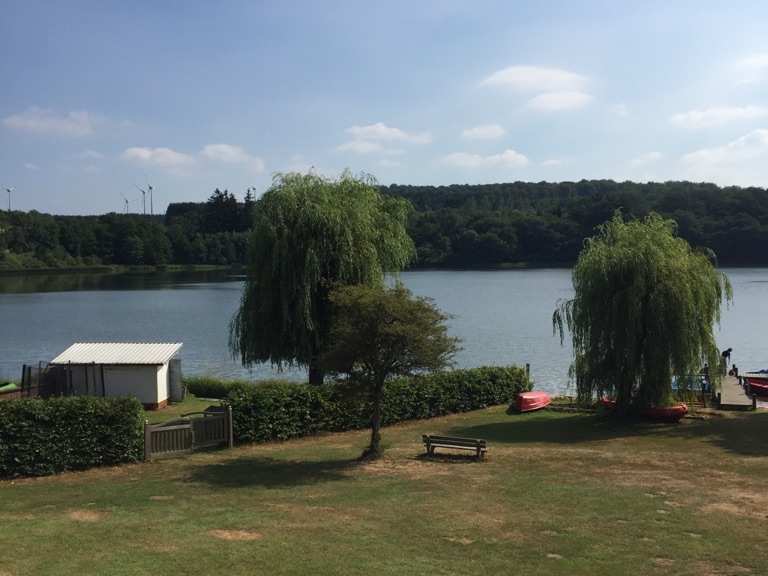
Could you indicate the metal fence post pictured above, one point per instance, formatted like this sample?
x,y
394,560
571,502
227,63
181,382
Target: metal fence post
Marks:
x,y
147,441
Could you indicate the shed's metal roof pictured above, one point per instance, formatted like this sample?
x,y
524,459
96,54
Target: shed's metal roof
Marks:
x,y
118,353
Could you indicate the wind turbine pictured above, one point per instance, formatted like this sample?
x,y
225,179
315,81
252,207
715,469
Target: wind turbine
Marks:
x,y
143,198
126,202
9,190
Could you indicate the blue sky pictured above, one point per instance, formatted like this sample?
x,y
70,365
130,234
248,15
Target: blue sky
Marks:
x,y
100,97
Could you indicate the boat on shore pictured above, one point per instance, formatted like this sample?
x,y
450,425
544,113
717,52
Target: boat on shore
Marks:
x,y
757,382
666,413
530,401
657,413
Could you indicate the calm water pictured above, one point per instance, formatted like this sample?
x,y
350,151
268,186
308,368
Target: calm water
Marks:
x,y
502,317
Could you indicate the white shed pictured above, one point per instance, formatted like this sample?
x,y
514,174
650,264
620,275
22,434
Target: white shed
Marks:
x,y
146,370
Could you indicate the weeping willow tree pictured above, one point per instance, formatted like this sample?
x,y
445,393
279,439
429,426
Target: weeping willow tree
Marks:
x,y
644,310
309,235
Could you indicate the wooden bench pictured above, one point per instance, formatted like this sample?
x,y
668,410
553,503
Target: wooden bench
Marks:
x,y
431,442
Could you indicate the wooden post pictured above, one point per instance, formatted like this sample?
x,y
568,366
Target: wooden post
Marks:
x,y
147,441
229,427
527,371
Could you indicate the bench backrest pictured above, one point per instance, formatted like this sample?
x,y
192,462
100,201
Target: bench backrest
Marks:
x,y
454,440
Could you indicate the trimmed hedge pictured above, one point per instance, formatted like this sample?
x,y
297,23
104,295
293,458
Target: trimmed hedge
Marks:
x,y
39,437
209,387
282,410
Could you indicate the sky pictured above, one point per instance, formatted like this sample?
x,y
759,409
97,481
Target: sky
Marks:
x,y
101,98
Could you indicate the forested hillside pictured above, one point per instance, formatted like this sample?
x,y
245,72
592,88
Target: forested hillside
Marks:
x,y
467,226
545,223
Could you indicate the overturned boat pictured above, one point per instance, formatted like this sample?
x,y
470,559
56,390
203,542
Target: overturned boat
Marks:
x,y
530,401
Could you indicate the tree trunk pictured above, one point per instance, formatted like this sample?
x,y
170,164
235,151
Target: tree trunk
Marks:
x,y
374,450
316,374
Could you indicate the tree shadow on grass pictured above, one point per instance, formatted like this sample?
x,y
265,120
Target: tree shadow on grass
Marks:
x,y
743,434
270,472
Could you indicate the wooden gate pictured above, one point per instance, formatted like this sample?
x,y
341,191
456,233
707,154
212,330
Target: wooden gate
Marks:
x,y
190,432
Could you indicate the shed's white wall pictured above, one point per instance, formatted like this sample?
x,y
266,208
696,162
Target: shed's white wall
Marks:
x,y
139,381
163,383
150,384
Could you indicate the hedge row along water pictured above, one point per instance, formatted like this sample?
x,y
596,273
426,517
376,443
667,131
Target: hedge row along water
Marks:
x,y
281,410
39,437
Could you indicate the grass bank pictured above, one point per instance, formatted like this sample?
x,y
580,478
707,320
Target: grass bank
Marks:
x,y
560,493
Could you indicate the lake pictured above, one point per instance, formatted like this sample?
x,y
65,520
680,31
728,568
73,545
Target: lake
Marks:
x,y
502,317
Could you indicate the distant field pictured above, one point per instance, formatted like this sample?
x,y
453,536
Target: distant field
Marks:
x,y
559,494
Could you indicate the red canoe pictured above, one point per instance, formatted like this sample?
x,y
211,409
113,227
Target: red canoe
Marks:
x,y
758,386
666,413
659,413
529,401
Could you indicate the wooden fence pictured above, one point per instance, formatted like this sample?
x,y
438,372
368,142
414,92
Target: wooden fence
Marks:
x,y
190,432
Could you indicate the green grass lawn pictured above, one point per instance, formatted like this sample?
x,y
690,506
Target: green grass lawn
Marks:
x,y
560,493
191,404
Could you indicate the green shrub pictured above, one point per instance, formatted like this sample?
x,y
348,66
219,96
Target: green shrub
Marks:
x,y
209,387
39,437
281,410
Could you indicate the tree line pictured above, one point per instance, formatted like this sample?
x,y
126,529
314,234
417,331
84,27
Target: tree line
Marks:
x,y
458,226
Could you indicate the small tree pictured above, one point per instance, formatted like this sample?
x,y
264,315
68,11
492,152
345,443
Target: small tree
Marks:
x,y
644,310
382,332
309,234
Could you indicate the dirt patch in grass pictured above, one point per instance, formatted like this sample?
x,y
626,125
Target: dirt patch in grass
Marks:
x,y
160,498
86,515
236,535
463,540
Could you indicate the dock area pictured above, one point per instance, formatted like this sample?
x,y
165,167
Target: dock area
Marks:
x,y
732,394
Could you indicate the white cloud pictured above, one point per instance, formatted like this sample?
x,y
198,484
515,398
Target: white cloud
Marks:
x,y
551,162
743,161
175,161
159,157
717,116
231,154
507,159
646,159
484,132
748,147
44,121
555,101
536,79
31,166
360,147
90,155
380,132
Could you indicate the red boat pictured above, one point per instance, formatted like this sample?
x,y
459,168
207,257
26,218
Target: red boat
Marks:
x,y
758,383
666,413
659,413
530,401
607,403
